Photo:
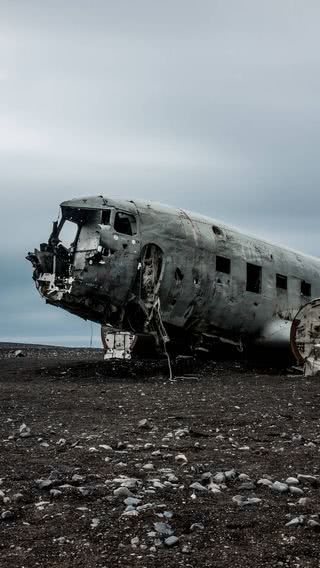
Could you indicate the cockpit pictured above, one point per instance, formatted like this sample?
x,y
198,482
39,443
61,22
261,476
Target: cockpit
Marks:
x,y
91,258
67,231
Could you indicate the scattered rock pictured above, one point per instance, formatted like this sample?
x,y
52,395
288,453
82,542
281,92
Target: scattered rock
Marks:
x,y
40,505
197,527
214,488
244,477
44,483
168,514
252,501
182,433
7,516
219,477
248,486
145,424
198,487
295,490
55,493
280,487
18,353
131,513
206,478
266,482
292,481
163,529
78,478
171,541
95,523
308,479
158,485
132,502
106,448
245,501
312,523
148,467
230,475
129,482
181,459
298,521
24,431
122,492
84,491
304,501
239,499
18,497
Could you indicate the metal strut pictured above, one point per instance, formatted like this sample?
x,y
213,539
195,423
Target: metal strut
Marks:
x,y
156,317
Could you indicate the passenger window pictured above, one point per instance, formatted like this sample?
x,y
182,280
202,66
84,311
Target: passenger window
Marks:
x,y
305,288
254,275
281,282
223,264
125,224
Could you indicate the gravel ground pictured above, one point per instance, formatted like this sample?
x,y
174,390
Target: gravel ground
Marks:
x,y
106,464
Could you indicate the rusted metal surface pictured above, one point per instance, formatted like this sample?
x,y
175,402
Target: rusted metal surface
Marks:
x,y
146,268
305,337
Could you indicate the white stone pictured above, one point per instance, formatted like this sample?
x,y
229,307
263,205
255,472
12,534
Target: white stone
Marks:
x,y
198,487
279,487
292,481
181,458
295,490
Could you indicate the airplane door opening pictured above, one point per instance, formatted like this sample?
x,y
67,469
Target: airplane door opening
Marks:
x,y
152,268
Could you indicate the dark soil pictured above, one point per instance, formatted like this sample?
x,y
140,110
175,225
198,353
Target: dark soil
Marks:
x,y
260,424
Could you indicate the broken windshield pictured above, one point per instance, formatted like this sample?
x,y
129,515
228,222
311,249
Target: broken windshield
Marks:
x,y
68,233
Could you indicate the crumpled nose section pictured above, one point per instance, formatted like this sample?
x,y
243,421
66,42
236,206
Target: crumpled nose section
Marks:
x,y
41,260
51,271
33,258
89,265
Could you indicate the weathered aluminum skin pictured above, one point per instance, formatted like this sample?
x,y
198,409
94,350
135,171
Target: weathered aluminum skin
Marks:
x,y
165,275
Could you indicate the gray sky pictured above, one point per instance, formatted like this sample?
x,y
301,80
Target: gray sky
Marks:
x,y
210,105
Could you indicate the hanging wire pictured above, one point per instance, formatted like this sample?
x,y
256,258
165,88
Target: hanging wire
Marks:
x,y
164,337
91,338
169,361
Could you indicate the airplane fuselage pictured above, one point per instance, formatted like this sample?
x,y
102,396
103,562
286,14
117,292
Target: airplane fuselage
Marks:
x,y
146,268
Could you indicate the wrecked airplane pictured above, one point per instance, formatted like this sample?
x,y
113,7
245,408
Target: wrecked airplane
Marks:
x,y
181,278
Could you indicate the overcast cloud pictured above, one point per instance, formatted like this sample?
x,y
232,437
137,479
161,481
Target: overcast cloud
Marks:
x,y
210,105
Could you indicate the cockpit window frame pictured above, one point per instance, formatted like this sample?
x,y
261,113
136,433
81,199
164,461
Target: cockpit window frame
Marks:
x,y
134,227
104,215
66,245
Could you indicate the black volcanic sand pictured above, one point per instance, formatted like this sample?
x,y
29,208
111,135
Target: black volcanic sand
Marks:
x,y
82,433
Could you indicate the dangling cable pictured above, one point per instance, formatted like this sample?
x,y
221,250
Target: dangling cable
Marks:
x,y
91,339
164,336
169,361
